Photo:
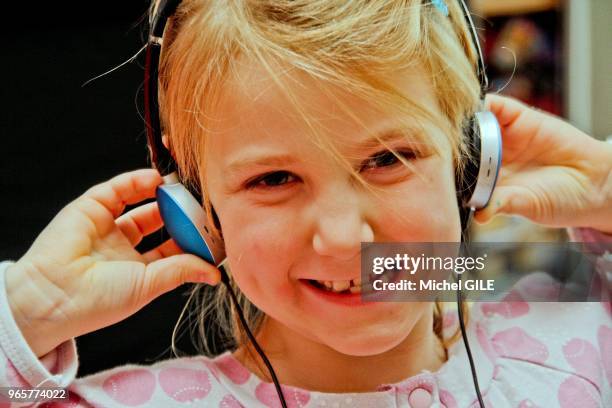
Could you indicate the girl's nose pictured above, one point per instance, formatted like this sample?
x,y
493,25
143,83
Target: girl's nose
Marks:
x,y
340,230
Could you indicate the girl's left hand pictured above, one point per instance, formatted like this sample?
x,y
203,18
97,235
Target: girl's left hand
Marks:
x,y
552,173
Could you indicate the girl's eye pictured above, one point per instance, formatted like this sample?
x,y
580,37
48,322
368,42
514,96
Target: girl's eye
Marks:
x,y
274,179
278,179
386,159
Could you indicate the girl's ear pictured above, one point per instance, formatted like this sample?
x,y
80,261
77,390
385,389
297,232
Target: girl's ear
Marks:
x,y
165,141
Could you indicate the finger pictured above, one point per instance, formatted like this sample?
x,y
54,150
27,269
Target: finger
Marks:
x,y
126,188
485,215
515,117
507,110
168,248
166,274
140,222
520,126
505,200
530,133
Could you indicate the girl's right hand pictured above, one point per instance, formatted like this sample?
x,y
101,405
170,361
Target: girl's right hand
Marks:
x,y
83,273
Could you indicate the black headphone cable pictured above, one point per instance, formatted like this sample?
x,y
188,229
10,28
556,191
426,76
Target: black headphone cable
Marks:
x,y
226,282
465,243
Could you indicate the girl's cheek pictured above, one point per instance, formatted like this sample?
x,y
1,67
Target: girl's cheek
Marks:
x,y
260,247
423,210
263,231
261,257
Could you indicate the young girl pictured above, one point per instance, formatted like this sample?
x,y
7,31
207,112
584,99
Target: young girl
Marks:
x,y
310,127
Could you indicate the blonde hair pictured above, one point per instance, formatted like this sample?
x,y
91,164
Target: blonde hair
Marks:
x,y
353,44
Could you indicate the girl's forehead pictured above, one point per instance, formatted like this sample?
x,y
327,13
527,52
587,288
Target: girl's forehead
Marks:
x,y
256,109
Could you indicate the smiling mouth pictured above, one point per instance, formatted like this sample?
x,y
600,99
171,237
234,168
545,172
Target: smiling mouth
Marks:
x,y
338,286
352,286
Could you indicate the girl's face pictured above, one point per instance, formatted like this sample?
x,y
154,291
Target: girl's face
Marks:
x,y
290,212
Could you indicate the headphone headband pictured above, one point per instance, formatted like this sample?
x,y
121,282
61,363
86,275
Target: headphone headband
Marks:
x,y
163,10
484,81
161,157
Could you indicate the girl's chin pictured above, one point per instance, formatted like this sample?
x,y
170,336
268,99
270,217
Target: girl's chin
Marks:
x,y
365,345
365,351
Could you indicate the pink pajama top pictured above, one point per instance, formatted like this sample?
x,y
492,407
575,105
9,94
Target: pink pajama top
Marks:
x,y
539,354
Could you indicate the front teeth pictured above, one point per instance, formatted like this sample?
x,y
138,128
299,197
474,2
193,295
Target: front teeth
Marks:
x,y
341,286
354,285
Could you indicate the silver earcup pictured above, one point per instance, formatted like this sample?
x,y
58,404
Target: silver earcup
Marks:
x,y
489,133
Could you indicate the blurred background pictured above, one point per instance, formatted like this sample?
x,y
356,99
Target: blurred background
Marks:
x,y
62,137
554,55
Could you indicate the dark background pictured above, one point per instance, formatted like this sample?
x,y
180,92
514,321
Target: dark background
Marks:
x,y
60,138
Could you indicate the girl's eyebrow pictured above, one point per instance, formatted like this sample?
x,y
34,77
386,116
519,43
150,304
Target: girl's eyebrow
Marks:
x,y
260,160
280,160
389,135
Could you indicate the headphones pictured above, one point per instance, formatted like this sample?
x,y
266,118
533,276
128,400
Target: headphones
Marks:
x,y
475,186
187,222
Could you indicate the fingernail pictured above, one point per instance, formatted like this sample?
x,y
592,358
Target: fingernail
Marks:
x,y
206,278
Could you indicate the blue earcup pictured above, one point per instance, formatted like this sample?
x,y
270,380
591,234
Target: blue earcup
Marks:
x,y
186,221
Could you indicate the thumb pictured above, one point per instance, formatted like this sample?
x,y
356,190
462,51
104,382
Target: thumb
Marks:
x,y
168,273
505,200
